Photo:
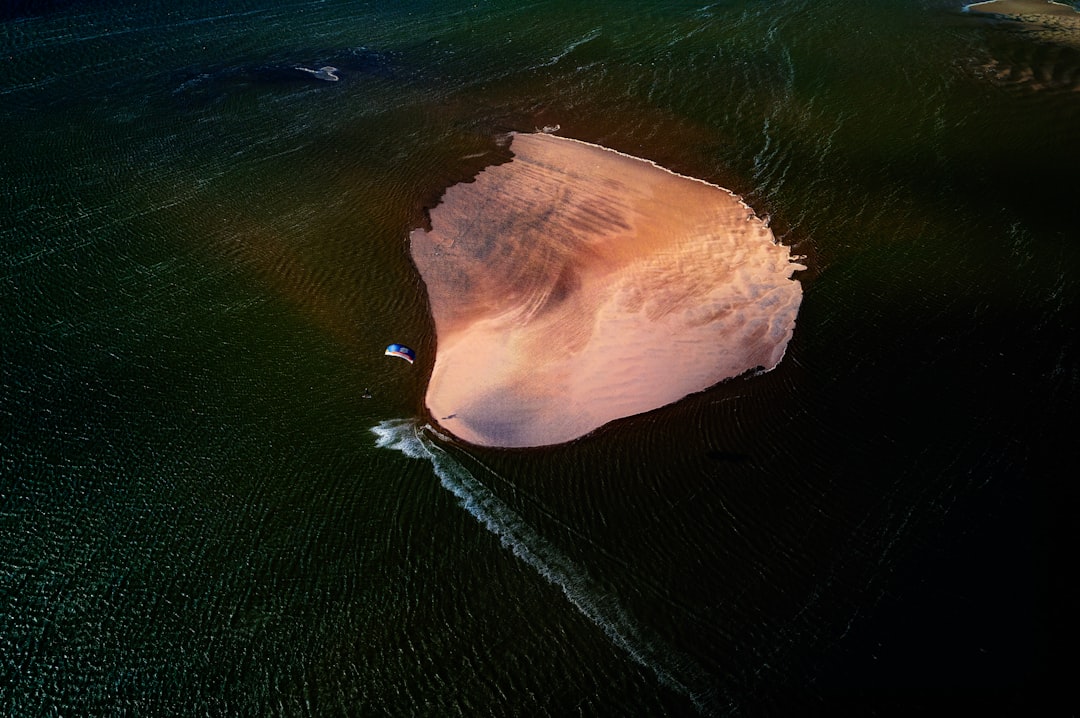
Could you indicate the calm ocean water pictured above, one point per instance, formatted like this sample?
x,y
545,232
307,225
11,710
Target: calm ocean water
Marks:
x,y
203,253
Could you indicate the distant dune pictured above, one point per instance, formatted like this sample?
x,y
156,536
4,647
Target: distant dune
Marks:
x,y
576,285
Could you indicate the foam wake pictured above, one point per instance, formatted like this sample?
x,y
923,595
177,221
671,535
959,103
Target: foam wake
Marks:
x,y
673,669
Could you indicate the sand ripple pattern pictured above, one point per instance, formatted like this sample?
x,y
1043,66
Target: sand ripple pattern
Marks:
x,y
576,285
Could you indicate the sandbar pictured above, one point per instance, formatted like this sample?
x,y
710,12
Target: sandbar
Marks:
x,y
575,285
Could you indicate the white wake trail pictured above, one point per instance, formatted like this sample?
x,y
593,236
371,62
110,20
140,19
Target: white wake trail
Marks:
x,y
673,669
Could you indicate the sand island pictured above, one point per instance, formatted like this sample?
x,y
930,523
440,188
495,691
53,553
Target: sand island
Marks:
x,y
575,285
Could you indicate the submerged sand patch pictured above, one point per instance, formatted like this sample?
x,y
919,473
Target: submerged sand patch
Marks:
x,y
575,285
1049,63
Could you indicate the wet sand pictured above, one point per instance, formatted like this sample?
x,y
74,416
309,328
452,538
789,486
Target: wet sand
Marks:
x,y
576,285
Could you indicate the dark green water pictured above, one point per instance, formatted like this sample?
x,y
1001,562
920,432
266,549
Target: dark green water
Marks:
x,y
203,253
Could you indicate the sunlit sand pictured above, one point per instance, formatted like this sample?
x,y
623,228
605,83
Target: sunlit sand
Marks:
x,y
576,285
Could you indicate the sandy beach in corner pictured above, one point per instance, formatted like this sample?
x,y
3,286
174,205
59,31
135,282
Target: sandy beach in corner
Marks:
x,y
1026,10
576,285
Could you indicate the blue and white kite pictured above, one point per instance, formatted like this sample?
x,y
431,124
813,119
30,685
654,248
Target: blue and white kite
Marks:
x,y
402,352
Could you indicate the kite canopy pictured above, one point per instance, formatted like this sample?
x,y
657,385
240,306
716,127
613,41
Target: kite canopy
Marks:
x,y
401,351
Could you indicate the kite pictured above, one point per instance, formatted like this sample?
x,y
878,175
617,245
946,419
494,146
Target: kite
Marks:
x,y
402,352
